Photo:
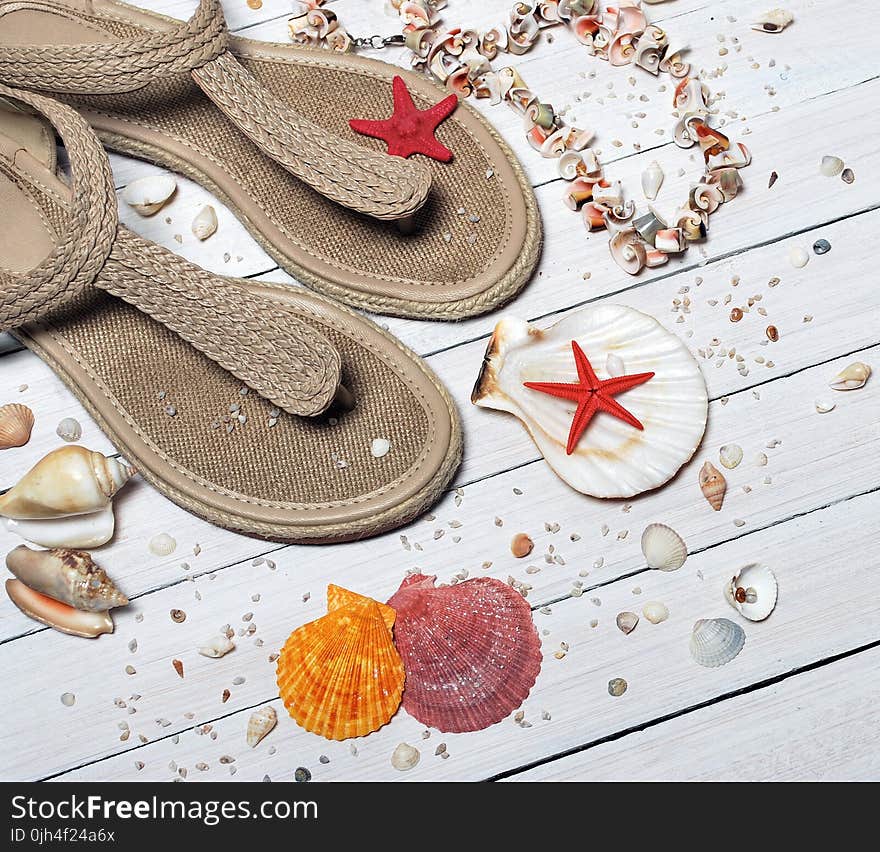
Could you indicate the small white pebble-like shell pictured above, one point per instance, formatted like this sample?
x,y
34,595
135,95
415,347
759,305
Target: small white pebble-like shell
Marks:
x,y
652,180
823,406
831,166
162,545
798,257
148,195
627,621
731,455
217,646
614,365
205,223
405,757
68,699
69,430
655,612
380,447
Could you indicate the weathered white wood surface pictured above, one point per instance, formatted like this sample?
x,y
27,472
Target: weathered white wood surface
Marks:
x,y
807,521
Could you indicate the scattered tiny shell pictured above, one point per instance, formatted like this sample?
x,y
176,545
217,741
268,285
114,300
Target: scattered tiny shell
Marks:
x,y
614,365
521,545
77,531
772,333
162,545
405,757
261,722
178,667
753,592
616,686
663,547
655,612
217,646
59,615
68,699
713,485
851,377
823,406
178,616
16,424
627,621
774,21
205,223
848,176
716,641
798,257
148,195
69,576
69,430
831,166
652,180
380,447
730,455
821,247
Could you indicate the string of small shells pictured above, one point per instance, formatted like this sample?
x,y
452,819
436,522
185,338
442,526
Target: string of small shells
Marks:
x,y
621,35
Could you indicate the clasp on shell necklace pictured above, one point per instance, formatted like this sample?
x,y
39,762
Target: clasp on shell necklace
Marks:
x,y
377,42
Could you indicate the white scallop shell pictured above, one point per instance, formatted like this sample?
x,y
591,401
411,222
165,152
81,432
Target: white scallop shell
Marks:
x,y
760,588
612,459
148,195
716,641
69,430
831,166
162,545
405,757
664,549
83,531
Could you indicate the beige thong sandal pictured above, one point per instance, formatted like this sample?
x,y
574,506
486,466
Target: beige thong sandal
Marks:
x,y
266,128
163,354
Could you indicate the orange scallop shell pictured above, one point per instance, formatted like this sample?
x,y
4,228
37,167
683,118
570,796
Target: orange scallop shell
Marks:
x,y
340,676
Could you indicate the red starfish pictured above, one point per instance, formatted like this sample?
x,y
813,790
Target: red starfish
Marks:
x,y
410,130
592,394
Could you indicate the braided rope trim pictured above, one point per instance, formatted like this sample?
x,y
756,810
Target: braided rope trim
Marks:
x,y
75,262
376,184
120,66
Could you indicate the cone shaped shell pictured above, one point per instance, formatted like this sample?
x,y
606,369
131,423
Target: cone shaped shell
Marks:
x,y
471,651
16,424
612,458
713,485
59,615
340,676
68,481
69,576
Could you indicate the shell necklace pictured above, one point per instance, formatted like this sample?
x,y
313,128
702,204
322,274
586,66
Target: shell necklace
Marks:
x,y
461,60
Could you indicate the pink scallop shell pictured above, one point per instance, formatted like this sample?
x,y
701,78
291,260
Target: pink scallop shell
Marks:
x,y
471,651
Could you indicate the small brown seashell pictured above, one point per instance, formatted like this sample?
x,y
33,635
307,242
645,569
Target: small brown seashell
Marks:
x,y
772,333
16,423
178,616
178,666
713,485
261,722
521,545
736,314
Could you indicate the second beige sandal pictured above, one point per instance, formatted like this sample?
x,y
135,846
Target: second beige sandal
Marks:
x,y
264,409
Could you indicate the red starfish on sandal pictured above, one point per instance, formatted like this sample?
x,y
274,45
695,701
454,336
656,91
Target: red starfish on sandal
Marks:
x,y
592,394
410,130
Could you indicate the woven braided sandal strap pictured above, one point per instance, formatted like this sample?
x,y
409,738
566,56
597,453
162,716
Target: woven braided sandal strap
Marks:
x,y
264,344
363,180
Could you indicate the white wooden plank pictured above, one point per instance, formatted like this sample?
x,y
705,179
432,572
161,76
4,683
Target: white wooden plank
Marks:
x,y
819,725
654,659
783,412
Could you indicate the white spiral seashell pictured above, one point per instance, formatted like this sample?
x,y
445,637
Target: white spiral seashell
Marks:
x,y
87,531
261,722
716,641
851,377
652,180
68,481
628,251
663,548
758,591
